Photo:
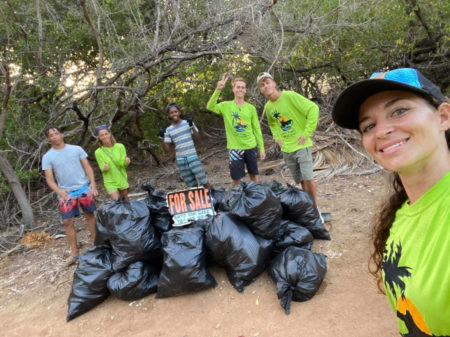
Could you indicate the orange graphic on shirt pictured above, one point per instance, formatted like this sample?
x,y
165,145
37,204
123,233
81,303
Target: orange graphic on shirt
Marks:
x,y
405,305
394,276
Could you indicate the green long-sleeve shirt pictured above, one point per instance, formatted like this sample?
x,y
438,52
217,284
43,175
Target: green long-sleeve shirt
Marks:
x,y
290,117
116,176
241,123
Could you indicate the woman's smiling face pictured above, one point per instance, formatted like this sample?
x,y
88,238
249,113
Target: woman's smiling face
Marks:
x,y
401,130
105,137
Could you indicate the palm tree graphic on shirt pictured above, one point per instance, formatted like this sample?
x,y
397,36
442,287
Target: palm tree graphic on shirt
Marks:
x,y
284,122
406,310
238,123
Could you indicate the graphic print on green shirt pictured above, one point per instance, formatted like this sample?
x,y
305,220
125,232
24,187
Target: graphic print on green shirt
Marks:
x,y
394,279
416,267
292,116
241,123
285,124
238,122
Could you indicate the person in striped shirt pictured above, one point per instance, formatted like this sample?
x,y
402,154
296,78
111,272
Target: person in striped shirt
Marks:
x,y
182,134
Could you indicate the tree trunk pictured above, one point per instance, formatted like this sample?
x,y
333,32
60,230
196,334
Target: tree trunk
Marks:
x,y
19,193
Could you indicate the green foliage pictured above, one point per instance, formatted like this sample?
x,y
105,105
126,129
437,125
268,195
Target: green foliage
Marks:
x,y
156,52
24,178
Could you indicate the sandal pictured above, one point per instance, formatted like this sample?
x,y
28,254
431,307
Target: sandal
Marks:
x,y
71,260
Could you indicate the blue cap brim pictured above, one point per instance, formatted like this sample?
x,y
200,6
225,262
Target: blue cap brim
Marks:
x,y
346,108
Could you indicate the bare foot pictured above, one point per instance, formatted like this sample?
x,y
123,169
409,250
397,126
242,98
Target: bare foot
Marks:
x,y
71,260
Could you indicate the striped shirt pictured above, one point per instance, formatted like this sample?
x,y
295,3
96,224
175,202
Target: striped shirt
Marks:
x,y
181,135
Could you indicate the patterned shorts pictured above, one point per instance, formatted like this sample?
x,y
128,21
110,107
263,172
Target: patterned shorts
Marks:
x,y
239,158
191,170
82,197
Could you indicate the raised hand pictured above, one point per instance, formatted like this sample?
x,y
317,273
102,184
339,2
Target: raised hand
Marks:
x,y
222,82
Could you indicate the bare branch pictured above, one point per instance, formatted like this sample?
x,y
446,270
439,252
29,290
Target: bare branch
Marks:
x,y
4,68
97,38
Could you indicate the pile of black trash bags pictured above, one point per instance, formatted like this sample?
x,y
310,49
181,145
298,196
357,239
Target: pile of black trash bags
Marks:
x,y
256,227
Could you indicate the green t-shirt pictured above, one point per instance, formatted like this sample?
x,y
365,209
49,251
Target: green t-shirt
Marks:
x,y
241,123
416,263
116,176
290,117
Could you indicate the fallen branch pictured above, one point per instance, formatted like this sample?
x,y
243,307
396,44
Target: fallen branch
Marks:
x,y
5,254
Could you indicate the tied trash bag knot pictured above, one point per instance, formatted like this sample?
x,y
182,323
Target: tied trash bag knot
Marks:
x,y
285,301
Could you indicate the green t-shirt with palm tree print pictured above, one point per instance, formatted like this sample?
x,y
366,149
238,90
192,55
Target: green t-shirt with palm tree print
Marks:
x,y
416,264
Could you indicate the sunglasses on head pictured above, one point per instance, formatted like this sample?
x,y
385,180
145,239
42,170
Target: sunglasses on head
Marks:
x,y
101,127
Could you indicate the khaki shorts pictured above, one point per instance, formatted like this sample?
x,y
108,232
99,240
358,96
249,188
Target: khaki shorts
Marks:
x,y
300,164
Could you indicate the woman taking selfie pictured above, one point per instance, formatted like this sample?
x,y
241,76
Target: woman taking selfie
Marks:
x,y
112,160
404,121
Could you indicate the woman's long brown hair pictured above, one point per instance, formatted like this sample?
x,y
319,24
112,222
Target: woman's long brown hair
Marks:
x,y
382,226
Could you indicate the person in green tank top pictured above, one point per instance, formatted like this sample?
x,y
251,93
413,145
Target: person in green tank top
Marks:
x,y
112,160
242,129
404,121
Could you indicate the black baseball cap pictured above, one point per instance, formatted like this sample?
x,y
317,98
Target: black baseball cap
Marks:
x,y
346,108
172,105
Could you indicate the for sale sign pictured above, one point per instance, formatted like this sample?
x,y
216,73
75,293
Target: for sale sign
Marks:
x,y
190,205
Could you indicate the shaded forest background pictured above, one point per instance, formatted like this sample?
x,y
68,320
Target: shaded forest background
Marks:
x,y
78,64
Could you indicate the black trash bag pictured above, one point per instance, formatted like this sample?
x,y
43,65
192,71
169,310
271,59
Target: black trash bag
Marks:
x,y
218,197
204,224
136,281
102,233
159,212
129,231
89,281
276,187
298,274
232,245
257,206
299,206
184,263
292,234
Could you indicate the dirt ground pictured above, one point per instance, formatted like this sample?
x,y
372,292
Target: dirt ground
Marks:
x,y
35,285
